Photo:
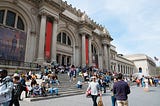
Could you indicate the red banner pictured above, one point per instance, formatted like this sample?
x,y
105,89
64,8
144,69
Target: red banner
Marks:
x,y
49,28
87,52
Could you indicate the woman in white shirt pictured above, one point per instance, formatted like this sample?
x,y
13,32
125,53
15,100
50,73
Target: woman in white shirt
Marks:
x,y
95,90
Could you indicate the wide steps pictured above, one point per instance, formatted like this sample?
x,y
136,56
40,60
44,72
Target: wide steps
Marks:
x,y
62,93
65,88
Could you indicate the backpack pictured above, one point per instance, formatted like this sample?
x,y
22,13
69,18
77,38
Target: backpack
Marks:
x,y
6,90
16,90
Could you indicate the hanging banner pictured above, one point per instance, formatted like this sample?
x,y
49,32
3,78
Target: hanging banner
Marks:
x,y
87,52
12,44
49,27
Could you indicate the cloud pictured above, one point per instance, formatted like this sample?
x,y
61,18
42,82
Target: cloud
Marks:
x,y
133,24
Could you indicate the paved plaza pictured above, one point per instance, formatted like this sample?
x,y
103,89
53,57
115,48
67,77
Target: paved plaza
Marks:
x,y
138,97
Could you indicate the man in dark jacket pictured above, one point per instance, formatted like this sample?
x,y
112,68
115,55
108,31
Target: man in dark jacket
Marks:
x,y
121,89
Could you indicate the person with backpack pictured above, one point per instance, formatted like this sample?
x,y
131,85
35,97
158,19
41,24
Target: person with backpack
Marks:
x,y
6,86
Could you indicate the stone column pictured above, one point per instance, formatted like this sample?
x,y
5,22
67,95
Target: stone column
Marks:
x,y
83,50
105,56
54,40
109,56
100,60
90,52
60,59
77,56
42,39
65,60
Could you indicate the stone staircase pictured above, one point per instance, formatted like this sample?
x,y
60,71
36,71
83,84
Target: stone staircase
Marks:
x,y
66,88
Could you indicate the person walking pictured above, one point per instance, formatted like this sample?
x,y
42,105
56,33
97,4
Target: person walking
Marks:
x,y
16,91
121,90
23,83
95,90
113,99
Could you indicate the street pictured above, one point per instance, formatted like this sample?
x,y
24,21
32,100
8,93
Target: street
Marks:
x,y
138,97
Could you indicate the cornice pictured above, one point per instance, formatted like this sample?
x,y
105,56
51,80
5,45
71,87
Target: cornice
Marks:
x,y
68,20
60,6
34,3
80,14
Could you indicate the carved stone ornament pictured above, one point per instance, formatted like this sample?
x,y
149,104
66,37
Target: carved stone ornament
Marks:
x,y
67,25
34,11
104,31
83,17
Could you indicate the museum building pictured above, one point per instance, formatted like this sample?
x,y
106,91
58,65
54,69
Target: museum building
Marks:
x,y
42,31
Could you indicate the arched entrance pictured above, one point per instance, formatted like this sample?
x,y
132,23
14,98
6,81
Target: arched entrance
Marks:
x,y
140,70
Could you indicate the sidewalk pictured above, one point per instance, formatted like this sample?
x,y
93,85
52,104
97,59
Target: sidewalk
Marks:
x,y
138,97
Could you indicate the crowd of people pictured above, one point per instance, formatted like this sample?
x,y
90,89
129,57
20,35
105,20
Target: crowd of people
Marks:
x,y
99,81
11,87
118,86
151,81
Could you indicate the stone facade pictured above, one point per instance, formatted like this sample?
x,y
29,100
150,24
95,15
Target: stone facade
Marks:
x,y
121,64
55,31
75,38
143,64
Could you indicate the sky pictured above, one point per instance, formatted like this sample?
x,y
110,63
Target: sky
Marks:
x,y
134,25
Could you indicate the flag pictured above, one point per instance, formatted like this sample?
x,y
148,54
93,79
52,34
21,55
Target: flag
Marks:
x,y
156,58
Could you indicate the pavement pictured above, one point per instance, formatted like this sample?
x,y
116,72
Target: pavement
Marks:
x,y
138,97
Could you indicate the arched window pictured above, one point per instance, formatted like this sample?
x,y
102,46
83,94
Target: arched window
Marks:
x,y
20,24
13,36
63,38
12,19
69,41
1,16
59,38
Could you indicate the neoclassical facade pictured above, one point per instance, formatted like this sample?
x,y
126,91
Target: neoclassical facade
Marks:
x,y
143,64
120,64
46,30
42,31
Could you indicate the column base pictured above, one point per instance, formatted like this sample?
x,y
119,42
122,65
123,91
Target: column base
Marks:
x,y
40,60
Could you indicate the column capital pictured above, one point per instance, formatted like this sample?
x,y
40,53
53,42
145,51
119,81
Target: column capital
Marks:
x,y
83,33
43,13
105,43
56,20
87,35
